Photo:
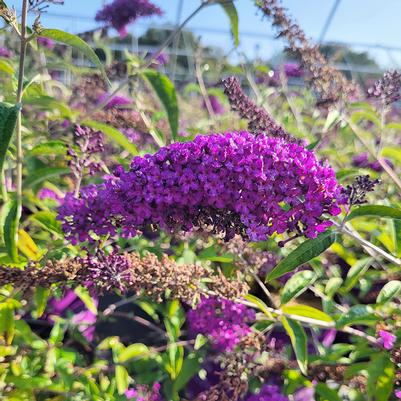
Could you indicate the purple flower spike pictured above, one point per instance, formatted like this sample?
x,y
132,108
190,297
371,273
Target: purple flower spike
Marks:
x,y
235,183
387,339
4,52
217,107
115,101
268,393
226,322
46,42
143,393
121,13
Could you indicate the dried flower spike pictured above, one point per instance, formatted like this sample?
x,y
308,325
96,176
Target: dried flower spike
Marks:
x,y
388,88
329,84
259,120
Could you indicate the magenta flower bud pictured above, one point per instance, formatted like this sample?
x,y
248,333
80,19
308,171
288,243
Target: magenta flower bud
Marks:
x,y
387,339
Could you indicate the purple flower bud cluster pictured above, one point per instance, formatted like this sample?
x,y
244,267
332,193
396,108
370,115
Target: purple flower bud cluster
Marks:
x,y
121,13
387,339
89,142
143,393
224,321
362,160
217,107
47,193
290,70
108,271
46,42
388,88
268,393
115,101
235,183
82,317
6,53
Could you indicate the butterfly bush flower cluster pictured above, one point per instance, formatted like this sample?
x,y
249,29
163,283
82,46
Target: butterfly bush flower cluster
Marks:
x,y
143,393
115,101
6,53
362,160
386,339
268,393
216,105
89,143
387,89
46,42
235,183
224,321
121,13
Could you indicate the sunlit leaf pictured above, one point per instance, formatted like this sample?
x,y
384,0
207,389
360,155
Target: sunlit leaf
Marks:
x,y
308,250
165,90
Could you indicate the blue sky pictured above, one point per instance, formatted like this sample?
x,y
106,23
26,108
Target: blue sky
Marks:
x,y
356,21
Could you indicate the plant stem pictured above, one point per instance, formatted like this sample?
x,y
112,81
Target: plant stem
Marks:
x,y
318,323
363,242
3,185
201,82
23,46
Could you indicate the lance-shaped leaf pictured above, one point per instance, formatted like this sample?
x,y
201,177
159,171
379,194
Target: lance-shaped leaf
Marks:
x,y
9,228
297,284
299,342
307,311
8,120
389,291
232,14
165,90
308,250
375,211
75,42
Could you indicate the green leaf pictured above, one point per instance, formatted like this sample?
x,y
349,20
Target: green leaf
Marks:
x,y
260,304
6,67
389,291
326,393
381,375
75,42
297,284
357,314
375,211
42,174
84,296
10,228
332,286
397,236
190,367
114,134
7,323
308,250
8,120
41,297
306,311
122,379
165,90
49,148
299,342
48,221
355,272
136,351
232,14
